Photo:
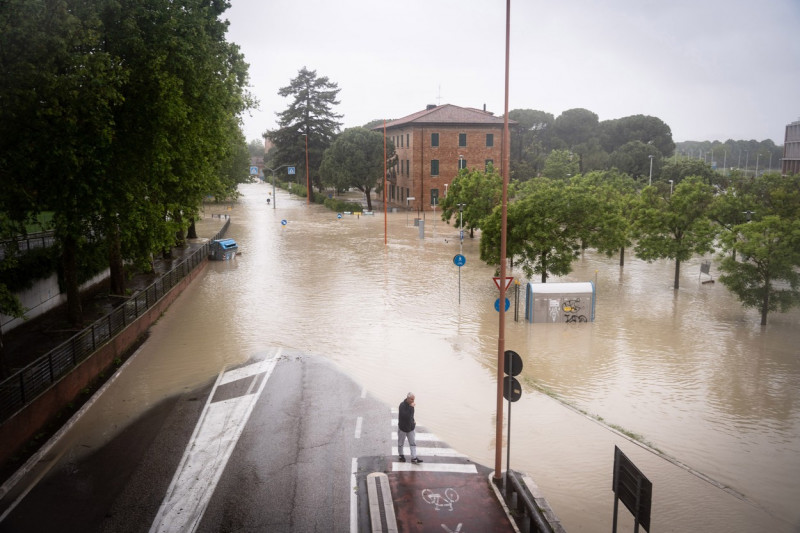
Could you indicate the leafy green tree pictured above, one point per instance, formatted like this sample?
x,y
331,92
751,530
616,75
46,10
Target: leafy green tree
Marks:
x,y
561,165
480,193
544,234
767,277
646,129
677,170
574,127
529,141
633,158
355,159
674,226
309,118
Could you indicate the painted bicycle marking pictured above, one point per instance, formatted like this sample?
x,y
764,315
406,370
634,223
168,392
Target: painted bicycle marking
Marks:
x,y
439,500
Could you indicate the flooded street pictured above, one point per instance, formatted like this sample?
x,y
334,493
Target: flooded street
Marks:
x,y
715,397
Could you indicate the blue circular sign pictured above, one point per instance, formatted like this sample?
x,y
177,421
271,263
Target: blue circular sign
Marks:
x,y
459,260
497,304
339,215
283,222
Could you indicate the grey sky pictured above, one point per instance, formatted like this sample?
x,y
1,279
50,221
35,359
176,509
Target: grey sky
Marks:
x,y
710,69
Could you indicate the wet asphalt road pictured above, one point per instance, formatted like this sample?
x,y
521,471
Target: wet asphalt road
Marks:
x,y
288,470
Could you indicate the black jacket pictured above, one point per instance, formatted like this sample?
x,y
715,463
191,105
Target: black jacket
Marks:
x,y
405,419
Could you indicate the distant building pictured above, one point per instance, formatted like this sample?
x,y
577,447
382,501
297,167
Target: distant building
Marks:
x,y
791,149
433,144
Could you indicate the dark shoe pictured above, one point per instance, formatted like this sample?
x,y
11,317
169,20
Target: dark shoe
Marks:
x,y
416,460
402,458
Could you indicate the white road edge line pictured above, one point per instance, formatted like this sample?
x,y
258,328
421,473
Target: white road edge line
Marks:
x,y
353,496
204,460
359,421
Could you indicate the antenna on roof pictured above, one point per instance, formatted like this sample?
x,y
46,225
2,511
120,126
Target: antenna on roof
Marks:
x,y
439,97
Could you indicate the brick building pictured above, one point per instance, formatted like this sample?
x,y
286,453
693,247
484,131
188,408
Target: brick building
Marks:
x,y
791,149
432,145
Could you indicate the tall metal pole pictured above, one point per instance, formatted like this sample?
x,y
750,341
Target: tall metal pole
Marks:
x,y
650,182
274,198
385,216
308,179
498,456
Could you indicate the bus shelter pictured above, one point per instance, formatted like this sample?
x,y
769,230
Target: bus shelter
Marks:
x,y
560,302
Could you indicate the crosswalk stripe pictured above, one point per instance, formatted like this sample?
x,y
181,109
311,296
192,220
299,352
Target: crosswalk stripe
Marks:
x,y
435,467
434,452
421,437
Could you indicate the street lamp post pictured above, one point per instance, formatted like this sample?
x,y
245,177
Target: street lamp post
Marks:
x,y
670,188
274,198
308,179
461,245
651,170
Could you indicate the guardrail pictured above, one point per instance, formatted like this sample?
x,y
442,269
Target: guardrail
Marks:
x,y
532,512
26,384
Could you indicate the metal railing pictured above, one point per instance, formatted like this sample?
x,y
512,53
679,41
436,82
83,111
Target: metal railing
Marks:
x,y
29,242
26,384
529,517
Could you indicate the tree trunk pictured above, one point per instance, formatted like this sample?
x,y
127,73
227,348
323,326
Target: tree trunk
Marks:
x,y
367,192
180,239
622,256
69,262
115,266
192,230
677,273
765,303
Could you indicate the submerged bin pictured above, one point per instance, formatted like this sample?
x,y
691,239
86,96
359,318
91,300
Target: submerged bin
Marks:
x,y
223,249
560,302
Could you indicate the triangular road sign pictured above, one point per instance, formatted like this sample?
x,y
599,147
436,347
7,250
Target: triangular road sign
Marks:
x,y
509,279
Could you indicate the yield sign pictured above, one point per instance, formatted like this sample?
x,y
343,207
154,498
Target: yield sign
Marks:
x,y
508,282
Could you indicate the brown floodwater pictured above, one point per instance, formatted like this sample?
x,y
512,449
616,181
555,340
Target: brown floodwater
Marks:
x,y
701,398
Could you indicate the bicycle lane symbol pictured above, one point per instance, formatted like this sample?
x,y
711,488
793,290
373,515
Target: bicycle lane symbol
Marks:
x,y
442,499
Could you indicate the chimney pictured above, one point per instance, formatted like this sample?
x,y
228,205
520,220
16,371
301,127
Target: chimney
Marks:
x,y
484,108
429,107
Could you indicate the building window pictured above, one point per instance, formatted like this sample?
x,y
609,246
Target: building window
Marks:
x,y
434,196
490,139
408,167
434,167
408,143
489,163
462,163
462,139
402,167
434,139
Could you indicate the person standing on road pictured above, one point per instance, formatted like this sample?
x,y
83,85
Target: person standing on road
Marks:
x,y
405,429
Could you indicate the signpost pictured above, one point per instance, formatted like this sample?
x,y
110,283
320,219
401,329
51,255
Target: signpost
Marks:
x,y
512,391
459,261
633,488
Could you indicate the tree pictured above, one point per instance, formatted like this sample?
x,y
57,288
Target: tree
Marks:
x,y
309,118
677,170
544,232
355,159
529,141
767,277
646,129
674,226
561,165
479,192
633,158
575,126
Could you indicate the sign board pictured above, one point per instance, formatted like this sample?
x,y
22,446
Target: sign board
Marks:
x,y
497,304
254,171
291,171
512,390
508,282
459,260
633,488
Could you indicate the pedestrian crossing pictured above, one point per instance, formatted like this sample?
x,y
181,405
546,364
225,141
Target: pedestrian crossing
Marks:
x,y
436,455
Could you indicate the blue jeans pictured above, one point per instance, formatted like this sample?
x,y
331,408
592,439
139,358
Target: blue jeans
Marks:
x,y
412,442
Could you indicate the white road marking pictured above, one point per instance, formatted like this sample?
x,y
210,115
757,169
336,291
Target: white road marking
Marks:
x,y
359,420
215,436
353,496
364,392
435,467
432,452
421,437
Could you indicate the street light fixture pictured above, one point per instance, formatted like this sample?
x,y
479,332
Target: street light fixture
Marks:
x,y
670,188
274,197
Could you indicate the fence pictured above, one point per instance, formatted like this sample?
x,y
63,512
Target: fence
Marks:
x,y
26,384
30,242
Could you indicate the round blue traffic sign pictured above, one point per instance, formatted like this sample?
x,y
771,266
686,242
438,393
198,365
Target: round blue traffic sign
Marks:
x,y
497,304
283,222
339,215
459,260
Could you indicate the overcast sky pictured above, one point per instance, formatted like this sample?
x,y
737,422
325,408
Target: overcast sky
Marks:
x,y
710,69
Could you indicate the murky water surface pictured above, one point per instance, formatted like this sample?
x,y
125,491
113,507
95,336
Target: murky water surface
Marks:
x,y
715,395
